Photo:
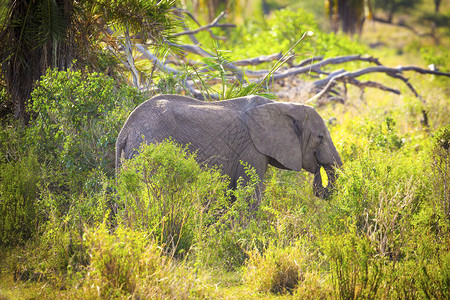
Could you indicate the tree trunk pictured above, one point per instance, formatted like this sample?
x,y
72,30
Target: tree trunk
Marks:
x,y
31,45
349,14
437,4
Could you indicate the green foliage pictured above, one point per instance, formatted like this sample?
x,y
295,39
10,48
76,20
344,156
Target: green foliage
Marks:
x,y
151,18
19,187
76,121
434,278
129,263
165,192
49,34
20,178
68,147
438,56
355,270
60,224
282,29
380,188
282,269
236,228
116,259
440,175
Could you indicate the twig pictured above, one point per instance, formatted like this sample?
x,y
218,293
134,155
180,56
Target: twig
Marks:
x,y
258,60
309,61
191,33
406,26
195,49
214,23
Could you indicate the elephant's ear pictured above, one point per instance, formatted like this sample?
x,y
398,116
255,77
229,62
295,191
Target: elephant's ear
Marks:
x,y
273,134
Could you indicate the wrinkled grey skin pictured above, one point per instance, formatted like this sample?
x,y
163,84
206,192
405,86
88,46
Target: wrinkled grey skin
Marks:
x,y
252,129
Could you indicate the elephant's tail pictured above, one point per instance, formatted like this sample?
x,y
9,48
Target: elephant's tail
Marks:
x,y
120,147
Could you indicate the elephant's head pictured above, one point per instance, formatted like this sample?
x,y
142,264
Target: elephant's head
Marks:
x,y
296,137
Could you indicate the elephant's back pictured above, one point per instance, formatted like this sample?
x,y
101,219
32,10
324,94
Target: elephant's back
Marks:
x,y
238,104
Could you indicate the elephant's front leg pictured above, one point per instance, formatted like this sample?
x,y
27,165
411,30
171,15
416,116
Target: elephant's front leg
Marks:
x,y
252,173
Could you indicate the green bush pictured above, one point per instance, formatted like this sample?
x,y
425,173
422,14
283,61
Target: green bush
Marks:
x,y
20,179
440,174
434,278
165,192
382,184
116,259
237,228
129,264
19,187
355,269
290,206
76,119
58,250
277,270
67,148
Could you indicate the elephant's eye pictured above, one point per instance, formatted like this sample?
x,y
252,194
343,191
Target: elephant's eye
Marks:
x,y
320,138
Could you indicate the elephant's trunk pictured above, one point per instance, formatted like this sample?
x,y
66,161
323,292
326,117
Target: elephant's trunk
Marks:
x,y
318,188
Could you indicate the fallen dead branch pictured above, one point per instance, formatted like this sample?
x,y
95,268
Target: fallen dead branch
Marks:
x,y
347,76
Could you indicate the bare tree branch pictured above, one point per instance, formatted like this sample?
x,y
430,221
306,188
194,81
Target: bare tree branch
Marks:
x,y
195,49
214,23
258,60
309,61
316,66
185,81
130,59
403,25
395,72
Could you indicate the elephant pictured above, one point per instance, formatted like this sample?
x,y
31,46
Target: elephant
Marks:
x,y
251,129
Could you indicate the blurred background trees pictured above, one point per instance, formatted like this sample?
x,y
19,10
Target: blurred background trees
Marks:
x,y
392,7
347,15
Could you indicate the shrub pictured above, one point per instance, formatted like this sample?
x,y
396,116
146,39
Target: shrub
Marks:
x,y
67,147
382,184
76,119
314,286
19,188
434,278
290,206
164,191
355,269
57,250
129,264
237,228
425,272
440,175
278,270
116,259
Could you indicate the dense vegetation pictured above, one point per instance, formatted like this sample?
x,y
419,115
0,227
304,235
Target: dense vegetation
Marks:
x,y
169,228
